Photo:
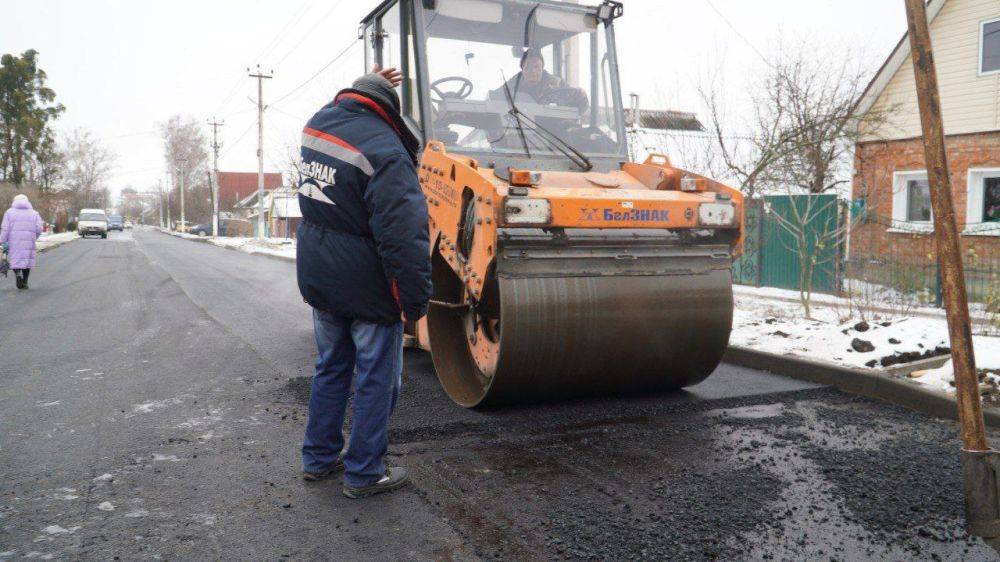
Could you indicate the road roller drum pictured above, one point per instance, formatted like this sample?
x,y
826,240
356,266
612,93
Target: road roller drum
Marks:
x,y
592,314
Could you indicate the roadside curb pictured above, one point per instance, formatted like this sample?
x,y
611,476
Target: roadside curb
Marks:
x,y
880,386
209,242
55,245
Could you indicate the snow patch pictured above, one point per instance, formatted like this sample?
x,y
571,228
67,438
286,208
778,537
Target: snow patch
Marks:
x,y
59,530
214,416
205,518
987,352
164,458
154,405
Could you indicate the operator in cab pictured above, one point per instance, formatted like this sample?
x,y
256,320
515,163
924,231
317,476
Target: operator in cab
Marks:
x,y
542,86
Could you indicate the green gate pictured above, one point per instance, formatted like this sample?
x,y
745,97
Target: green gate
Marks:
x,y
772,229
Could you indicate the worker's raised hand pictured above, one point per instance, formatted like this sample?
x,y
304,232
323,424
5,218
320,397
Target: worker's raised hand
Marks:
x,y
394,76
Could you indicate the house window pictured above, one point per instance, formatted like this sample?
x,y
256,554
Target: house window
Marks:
x,y
983,210
991,199
918,201
989,46
911,198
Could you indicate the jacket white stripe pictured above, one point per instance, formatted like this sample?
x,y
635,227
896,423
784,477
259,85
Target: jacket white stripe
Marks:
x,y
313,191
341,153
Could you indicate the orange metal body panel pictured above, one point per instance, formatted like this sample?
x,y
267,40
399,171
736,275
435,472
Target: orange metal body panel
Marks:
x,y
643,195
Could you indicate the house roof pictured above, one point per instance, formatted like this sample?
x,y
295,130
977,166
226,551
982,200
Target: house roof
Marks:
x,y
665,119
892,64
237,185
282,202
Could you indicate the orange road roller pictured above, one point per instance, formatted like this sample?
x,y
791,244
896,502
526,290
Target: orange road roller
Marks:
x,y
560,267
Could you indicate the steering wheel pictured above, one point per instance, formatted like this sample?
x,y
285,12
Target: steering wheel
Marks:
x,y
463,91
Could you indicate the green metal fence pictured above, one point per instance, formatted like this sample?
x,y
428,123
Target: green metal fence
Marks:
x,y
902,257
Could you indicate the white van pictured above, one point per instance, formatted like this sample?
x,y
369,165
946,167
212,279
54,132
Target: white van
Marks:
x,y
92,222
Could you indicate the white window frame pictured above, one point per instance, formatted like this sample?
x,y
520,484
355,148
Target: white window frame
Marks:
x,y
982,31
900,203
975,185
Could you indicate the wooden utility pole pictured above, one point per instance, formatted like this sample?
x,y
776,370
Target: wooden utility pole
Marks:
x,y
946,231
980,464
214,181
260,76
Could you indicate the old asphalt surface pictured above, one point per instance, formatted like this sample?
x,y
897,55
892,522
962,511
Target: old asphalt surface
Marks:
x,y
152,398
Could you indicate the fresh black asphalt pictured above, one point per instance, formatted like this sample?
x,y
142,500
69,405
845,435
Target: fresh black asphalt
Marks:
x,y
152,397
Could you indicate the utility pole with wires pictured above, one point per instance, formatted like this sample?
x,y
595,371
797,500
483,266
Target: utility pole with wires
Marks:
x,y
182,173
159,202
170,187
980,463
260,76
215,179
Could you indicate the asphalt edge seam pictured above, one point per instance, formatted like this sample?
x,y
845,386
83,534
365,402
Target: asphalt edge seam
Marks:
x,y
870,384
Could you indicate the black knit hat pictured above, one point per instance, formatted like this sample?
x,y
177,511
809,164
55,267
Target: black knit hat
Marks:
x,y
531,53
377,88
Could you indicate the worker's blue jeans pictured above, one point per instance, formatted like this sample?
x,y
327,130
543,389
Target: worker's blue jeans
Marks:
x,y
375,352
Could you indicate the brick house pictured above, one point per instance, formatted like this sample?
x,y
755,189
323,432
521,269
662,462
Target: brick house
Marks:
x,y
890,179
236,186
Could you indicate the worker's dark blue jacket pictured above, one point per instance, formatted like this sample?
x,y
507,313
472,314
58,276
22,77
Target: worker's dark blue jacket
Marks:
x,y
363,241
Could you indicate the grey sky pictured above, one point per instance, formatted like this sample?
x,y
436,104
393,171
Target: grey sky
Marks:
x,y
123,67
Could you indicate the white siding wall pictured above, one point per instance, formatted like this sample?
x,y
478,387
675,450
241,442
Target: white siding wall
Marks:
x,y
970,103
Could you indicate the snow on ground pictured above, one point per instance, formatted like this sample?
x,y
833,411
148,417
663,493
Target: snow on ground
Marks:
x,y
987,352
779,327
884,301
766,320
283,247
51,240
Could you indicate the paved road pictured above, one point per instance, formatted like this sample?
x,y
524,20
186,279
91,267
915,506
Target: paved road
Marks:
x,y
152,397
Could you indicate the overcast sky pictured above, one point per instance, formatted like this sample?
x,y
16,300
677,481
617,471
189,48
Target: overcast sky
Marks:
x,y
123,67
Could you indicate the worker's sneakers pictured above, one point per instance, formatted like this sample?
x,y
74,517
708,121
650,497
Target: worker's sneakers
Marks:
x,y
335,468
394,478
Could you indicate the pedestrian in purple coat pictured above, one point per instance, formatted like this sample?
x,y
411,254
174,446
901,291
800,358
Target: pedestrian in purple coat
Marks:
x,y
21,227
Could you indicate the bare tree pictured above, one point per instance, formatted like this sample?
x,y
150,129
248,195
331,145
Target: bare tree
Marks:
x,y
185,150
88,166
799,141
749,147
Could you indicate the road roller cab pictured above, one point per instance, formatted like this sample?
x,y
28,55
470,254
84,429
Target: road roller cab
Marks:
x,y
560,267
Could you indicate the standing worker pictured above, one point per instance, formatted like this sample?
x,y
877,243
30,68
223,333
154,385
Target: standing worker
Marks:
x,y
20,230
364,267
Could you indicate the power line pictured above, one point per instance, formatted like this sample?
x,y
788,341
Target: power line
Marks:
x,y
276,40
354,42
238,139
308,34
285,113
736,31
